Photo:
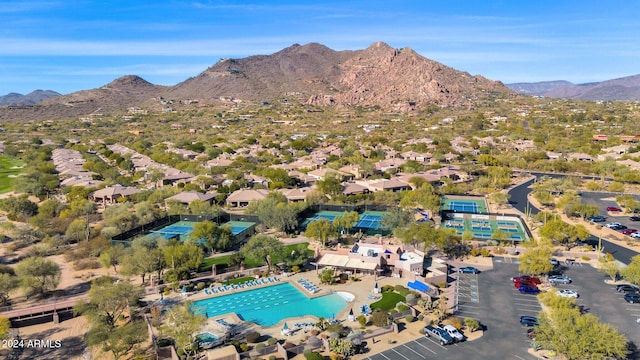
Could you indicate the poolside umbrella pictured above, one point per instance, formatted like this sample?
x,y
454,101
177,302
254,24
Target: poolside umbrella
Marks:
x,y
285,329
351,315
376,289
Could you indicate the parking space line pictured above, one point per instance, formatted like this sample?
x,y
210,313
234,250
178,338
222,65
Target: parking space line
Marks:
x,y
385,356
394,350
425,347
436,343
405,345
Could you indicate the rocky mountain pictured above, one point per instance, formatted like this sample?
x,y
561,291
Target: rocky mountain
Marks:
x,y
621,89
395,79
31,98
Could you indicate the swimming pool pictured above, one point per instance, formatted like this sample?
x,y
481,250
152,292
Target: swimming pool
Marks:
x,y
269,305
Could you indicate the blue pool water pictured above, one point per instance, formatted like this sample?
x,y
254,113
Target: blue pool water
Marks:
x,y
267,306
207,337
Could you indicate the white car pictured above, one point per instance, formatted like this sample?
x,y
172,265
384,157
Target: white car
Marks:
x,y
635,235
568,293
613,225
454,333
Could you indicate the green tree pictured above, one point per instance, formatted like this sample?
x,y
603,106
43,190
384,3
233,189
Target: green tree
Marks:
x,y
632,272
346,221
560,232
184,324
38,274
145,258
8,282
396,218
536,260
263,248
275,213
109,300
321,230
330,185
77,230
183,257
119,340
500,198
609,265
342,346
113,256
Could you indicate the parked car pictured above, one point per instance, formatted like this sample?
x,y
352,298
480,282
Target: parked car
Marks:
x,y
439,334
526,279
454,333
628,231
468,270
613,209
612,225
528,320
568,293
635,235
626,288
632,298
517,284
554,262
559,279
634,218
531,333
597,218
528,289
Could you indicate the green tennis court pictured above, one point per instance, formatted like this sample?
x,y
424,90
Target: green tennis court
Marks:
x,y
487,228
464,205
329,215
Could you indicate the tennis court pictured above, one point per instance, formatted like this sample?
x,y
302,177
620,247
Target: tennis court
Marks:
x,y
238,226
370,220
464,205
486,227
181,230
329,215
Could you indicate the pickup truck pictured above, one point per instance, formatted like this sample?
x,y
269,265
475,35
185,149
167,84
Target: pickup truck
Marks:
x,y
439,334
454,333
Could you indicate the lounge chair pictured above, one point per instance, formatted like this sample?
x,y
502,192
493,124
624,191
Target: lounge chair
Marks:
x,y
220,289
246,283
212,290
269,279
276,279
263,281
206,291
226,288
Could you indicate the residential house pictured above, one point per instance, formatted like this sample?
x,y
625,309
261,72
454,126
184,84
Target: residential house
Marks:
x,y
350,188
112,194
242,198
297,194
321,173
580,157
187,197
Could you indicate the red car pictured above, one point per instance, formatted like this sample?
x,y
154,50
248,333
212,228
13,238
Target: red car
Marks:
x,y
526,279
628,231
613,209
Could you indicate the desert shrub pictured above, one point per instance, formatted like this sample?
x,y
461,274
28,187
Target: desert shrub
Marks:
x,y
472,324
252,337
409,318
475,252
401,290
272,341
313,355
411,299
201,285
259,346
86,264
500,251
386,288
585,258
442,285
337,327
485,252
380,318
456,322
295,268
273,357
402,307
362,320
420,317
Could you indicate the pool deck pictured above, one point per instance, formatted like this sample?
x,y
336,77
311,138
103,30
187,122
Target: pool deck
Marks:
x,y
359,289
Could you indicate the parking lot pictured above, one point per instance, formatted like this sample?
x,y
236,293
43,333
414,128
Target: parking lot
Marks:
x,y
491,298
598,199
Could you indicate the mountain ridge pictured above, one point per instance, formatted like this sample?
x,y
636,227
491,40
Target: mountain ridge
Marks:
x,y
620,89
31,98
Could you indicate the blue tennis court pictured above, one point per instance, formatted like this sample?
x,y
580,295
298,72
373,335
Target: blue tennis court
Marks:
x,y
180,229
464,204
370,220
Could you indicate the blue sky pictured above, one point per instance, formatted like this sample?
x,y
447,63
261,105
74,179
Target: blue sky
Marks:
x,y
68,46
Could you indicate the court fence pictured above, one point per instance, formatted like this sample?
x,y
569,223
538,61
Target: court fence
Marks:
x,y
223,217
449,215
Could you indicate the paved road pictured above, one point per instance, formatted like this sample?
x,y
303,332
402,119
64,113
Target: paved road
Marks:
x,y
520,201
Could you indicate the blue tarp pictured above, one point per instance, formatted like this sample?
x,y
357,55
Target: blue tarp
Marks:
x,y
417,285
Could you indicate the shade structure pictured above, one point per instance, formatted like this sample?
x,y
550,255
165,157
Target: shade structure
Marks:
x,y
285,326
376,289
